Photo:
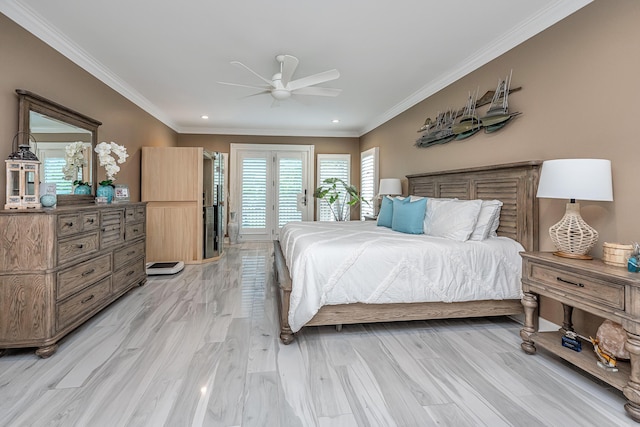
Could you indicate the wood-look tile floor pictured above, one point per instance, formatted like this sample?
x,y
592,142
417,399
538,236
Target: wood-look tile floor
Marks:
x,y
201,349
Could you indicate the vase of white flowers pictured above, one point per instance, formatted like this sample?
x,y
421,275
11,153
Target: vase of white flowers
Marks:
x,y
75,160
107,153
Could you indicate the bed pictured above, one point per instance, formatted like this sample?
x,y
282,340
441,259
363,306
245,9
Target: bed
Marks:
x,y
514,184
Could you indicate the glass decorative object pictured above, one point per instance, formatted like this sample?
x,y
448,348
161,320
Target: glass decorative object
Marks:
x,y
82,189
105,191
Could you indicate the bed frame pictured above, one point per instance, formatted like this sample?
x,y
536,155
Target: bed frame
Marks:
x,y
515,184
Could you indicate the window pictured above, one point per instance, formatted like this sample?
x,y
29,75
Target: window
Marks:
x,y
254,192
368,180
332,166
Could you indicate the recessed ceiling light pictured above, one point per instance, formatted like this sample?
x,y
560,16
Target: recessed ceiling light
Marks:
x,y
335,121
204,116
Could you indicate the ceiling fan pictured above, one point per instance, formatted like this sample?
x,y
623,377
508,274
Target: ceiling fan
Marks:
x,y
282,87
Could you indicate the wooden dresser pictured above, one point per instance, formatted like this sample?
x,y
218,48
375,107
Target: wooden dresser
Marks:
x,y
61,266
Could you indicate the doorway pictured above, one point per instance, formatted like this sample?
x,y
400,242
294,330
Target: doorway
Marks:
x,y
272,186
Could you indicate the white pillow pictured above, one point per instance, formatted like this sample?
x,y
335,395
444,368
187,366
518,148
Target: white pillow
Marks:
x,y
427,218
488,216
452,219
493,232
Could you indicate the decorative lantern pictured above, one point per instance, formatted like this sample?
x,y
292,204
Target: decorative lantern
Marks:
x,y
23,179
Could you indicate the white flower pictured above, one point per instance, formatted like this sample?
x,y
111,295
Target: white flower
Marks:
x,y
74,158
106,152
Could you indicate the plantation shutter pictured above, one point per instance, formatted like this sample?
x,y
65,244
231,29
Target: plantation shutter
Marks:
x,y
289,186
332,166
254,192
368,180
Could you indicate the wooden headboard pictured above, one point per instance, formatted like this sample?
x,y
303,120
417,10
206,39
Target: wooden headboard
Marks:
x,y
515,184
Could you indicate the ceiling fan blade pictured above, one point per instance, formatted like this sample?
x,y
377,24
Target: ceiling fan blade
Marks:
x,y
313,79
289,65
256,94
320,91
263,87
240,64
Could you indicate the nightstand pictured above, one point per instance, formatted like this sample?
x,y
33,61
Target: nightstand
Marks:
x,y
370,218
594,287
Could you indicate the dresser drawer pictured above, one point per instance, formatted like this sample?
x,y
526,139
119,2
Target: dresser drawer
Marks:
x,y
69,224
124,255
112,230
580,287
130,274
133,231
82,303
135,213
90,221
77,277
73,248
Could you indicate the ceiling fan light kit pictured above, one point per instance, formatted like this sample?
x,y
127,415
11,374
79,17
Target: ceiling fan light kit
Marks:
x,y
281,86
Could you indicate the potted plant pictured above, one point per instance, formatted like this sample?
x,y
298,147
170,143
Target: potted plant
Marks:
x,y
339,195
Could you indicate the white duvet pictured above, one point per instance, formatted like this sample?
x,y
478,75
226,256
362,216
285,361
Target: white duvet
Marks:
x,y
347,262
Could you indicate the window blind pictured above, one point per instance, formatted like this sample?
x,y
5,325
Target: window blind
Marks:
x,y
368,180
332,166
289,186
254,193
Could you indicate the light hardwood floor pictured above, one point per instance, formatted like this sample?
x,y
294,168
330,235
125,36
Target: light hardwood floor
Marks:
x,y
201,349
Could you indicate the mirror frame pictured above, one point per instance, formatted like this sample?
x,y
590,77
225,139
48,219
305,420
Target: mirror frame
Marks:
x,y
29,101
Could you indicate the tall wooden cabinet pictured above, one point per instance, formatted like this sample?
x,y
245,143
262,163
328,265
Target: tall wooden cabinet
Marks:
x,y
59,267
173,185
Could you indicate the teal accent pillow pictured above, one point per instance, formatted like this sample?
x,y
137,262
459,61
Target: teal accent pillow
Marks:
x,y
385,215
408,216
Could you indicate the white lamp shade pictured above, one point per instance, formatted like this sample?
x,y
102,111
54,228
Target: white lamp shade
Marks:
x,y
583,179
390,186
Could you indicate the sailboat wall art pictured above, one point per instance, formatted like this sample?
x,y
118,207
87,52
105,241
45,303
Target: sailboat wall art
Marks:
x,y
465,122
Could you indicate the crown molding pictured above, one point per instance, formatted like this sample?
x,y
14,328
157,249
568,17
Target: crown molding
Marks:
x,y
27,18
269,132
556,12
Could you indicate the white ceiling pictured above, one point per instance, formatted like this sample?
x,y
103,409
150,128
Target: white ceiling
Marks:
x,y
167,56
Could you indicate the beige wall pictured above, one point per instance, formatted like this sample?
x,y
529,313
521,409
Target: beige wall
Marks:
x,y
579,98
28,63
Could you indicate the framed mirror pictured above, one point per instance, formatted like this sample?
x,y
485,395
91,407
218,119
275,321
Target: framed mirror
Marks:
x,y
49,127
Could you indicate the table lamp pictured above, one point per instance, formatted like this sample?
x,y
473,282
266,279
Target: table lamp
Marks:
x,y
388,187
584,179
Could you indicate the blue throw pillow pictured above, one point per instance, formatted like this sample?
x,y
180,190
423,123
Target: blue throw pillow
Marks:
x,y
408,216
386,212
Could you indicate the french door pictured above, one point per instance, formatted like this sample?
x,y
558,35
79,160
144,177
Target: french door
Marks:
x,y
272,186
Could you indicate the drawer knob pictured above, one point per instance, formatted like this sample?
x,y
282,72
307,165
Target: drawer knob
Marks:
x,y
88,272
560,279
68,224
130,273
90,220
87,299
131,253
135,230
80,246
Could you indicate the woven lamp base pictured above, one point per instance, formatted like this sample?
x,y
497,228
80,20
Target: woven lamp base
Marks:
x,y
572,236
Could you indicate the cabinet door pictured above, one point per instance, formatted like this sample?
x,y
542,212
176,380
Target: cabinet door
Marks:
x,y
172,232
171,173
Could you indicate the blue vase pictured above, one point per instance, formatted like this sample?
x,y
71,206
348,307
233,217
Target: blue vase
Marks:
x,y
105,191
48,200
82,189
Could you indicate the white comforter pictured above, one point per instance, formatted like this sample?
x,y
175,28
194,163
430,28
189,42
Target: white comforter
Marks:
x,y
347,262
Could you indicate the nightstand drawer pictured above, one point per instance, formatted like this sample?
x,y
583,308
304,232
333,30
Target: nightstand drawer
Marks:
x,y
581,287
